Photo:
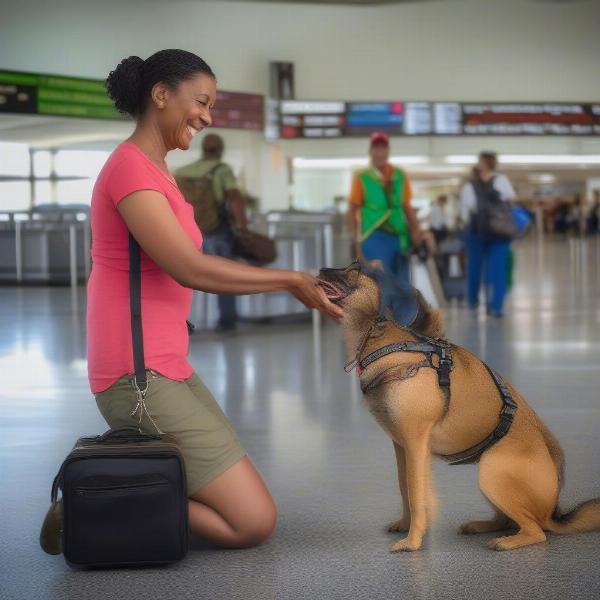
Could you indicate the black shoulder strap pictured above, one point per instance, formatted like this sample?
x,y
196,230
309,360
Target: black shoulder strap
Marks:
x,y
135,305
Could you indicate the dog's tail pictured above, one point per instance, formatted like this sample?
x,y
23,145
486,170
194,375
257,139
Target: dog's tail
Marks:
x,y
585,517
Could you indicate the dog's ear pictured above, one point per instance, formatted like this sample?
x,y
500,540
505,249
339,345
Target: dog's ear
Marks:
x,y
429,321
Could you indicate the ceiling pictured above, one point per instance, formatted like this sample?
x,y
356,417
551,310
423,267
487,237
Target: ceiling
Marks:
x,y
381,2
349,2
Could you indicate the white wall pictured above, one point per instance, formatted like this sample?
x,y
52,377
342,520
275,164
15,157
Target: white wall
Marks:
x,y
455,50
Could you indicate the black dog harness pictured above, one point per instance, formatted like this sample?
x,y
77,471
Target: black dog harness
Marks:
x,y
442,349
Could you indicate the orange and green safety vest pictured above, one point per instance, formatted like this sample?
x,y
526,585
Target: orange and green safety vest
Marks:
x,y
384,211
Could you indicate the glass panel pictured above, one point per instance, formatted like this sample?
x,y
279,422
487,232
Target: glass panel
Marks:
x,y
79,163
15,195
42,192
41,163
317,190
14,159
75,192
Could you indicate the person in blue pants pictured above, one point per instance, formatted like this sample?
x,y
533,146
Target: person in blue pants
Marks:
x,y
384,247
489,259
485,256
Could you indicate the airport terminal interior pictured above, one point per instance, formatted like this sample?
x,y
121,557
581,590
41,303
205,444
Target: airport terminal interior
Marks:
x,y
309,94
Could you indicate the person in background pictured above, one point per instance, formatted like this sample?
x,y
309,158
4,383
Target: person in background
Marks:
x,y
233,213
490,255
438,219
593,218
382,221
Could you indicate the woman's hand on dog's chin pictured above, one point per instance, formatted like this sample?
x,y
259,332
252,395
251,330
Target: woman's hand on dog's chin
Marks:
x,y
305,287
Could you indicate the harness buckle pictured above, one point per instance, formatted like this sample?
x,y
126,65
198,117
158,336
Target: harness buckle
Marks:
x,y
508,411
444,370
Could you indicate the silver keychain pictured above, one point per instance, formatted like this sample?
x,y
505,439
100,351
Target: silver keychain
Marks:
x,y
141,406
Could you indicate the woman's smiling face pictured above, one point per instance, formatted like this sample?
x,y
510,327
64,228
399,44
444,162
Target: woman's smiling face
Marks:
x,y
184,111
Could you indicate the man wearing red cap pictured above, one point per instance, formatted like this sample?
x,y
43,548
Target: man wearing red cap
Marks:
x,y
383,223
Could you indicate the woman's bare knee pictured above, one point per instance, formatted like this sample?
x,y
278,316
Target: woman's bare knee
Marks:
x,y
258,528
236,510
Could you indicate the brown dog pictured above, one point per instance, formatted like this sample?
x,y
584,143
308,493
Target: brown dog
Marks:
x,y
520,474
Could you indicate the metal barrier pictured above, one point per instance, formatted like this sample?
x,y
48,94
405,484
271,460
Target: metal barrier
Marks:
x,y
48,244
306,242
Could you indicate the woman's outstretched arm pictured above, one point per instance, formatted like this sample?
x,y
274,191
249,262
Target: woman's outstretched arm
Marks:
x,y
152,222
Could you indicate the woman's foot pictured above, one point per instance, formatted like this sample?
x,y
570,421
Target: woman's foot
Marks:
x,y
52,529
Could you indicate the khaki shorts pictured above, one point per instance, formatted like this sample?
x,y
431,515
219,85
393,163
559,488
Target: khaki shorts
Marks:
x,y
188,411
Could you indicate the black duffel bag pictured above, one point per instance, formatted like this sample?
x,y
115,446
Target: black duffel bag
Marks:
x,y
124,500
124,493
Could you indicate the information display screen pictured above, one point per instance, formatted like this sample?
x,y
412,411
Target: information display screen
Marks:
x,y
418,119
55,95
447,118
311,119
31,93
234,110
363,118
530,119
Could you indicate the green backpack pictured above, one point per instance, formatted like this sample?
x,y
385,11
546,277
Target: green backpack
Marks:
x,y
200,193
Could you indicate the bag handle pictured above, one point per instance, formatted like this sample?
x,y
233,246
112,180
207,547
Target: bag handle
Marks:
x,y
127,432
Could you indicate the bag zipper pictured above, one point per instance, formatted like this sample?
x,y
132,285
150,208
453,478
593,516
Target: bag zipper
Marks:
x,y
81,490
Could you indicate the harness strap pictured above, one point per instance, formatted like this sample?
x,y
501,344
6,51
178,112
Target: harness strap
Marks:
x,y
428,347
424,347
395,373
442,349
507,415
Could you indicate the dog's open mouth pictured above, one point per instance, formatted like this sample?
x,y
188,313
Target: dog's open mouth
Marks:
x,y
332,291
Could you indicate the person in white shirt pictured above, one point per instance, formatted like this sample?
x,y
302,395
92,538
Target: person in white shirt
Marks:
x,y
483,252
442,218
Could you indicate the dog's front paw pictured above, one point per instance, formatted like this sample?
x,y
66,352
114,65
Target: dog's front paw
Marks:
x,y
406,545
499,543
401,525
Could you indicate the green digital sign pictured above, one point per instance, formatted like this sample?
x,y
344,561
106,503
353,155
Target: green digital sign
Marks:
x,y
33,93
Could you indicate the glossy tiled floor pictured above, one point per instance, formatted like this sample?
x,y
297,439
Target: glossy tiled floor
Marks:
x,y
330,468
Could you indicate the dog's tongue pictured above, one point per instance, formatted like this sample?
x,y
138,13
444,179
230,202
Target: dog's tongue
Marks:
x,y
331,290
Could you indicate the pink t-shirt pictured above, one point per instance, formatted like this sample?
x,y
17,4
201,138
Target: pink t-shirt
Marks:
x,y
165,303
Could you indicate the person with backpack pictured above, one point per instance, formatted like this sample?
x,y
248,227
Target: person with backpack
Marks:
x,y
487,251
210,186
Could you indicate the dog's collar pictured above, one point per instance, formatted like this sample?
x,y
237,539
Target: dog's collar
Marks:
x,y
423,345
377,322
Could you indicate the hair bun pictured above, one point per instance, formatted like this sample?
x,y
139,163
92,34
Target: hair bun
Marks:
x,y
124,85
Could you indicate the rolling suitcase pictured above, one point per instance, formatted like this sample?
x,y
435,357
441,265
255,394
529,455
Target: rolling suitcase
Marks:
x,y
451,263
124,492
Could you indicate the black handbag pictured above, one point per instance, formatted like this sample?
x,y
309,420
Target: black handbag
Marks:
x,y
253,247
124,492
494,219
